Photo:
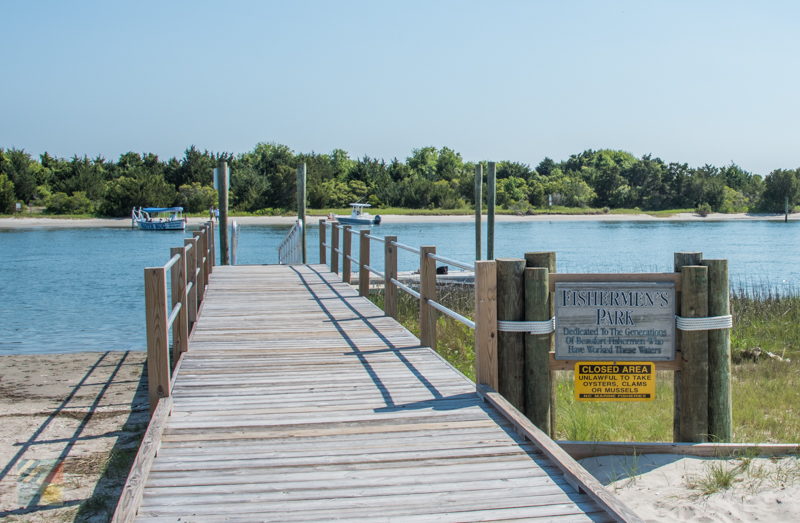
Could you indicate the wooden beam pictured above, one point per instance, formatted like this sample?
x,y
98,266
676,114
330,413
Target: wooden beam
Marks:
x,y
720,407
347,253
573,472
132,492
155,295
180,327
427,289
486,372
363,263
694,348
590,449
390,272
323,253
537,349
511,345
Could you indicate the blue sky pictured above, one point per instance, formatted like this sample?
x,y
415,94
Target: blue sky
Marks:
x,y
697,82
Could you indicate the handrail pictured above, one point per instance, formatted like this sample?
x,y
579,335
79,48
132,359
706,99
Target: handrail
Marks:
x,y
189,266
428,257
405,247
406,288
290,251
451,261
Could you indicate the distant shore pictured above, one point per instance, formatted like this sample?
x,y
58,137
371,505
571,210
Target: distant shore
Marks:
x,y
29,222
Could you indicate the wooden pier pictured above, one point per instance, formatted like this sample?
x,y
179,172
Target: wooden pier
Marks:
x,y
299,400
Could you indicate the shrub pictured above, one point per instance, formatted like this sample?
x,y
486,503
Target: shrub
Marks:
x,y
62,203
703,209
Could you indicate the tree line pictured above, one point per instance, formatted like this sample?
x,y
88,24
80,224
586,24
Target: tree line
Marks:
x,y
264,181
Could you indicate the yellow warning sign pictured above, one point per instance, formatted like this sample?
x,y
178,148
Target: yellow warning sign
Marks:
x,y
615,381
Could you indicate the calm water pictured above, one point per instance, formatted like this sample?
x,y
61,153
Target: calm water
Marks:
x,y
81,289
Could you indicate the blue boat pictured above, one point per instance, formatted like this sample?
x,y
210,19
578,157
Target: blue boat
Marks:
x,y
158,218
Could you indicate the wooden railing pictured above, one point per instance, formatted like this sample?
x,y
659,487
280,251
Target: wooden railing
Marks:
x,y
189,268
485,322
290,251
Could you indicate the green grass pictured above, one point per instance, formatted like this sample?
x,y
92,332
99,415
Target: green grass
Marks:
x,y
766,394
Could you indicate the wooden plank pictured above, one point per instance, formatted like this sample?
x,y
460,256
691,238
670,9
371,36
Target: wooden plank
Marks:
x,y
694,350
667,277
343,414
427,289
158,364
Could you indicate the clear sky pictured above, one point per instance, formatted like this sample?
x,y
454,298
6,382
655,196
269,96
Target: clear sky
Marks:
x,y
689,81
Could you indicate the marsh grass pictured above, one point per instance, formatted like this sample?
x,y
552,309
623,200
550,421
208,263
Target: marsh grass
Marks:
x,y
766,393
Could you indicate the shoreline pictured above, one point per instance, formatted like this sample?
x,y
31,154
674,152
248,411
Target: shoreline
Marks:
x,y
29,222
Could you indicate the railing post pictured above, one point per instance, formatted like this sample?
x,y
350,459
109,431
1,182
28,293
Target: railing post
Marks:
x,y
200,282
334,247
511,345
363,263
347,241
155,297
207,254
209,241
390,271
323,255
212,247
694,350
427,290
180,327
486,324
191,276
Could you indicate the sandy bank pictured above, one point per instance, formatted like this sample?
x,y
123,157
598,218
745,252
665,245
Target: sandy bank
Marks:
x,y
26,222
668,487
69,427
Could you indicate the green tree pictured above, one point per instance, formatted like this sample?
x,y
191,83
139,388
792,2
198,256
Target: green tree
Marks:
x,y
779,185
7,200
195,197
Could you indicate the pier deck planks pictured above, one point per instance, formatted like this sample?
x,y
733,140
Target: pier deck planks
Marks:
x,y
299,401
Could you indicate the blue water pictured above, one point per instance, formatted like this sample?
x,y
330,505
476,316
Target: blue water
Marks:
x,y
72,290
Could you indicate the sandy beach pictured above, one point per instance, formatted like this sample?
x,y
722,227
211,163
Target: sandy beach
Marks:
x,y
30,222
70,425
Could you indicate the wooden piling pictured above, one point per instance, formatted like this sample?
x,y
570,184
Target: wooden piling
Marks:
x,y
301,207
486,366
222,184
390,272
155,295
490,203
720,407
694,348
347,252
363,263
680,259
427,290
511,345
537,349
546,260
478,209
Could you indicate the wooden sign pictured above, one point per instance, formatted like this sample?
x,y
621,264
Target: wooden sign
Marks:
x,y
623,321
615,381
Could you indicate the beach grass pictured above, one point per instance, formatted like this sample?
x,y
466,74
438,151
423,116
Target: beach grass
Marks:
x,y
765,392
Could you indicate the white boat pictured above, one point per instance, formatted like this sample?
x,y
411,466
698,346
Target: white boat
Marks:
x,y
359,216
158,218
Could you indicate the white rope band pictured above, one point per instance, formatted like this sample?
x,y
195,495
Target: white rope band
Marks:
x,y
703,324
531,327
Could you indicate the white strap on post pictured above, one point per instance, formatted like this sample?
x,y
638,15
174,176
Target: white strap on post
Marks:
x,y
531,327
704,324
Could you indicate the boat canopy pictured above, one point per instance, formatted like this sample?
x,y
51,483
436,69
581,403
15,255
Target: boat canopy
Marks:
x,y
163,209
